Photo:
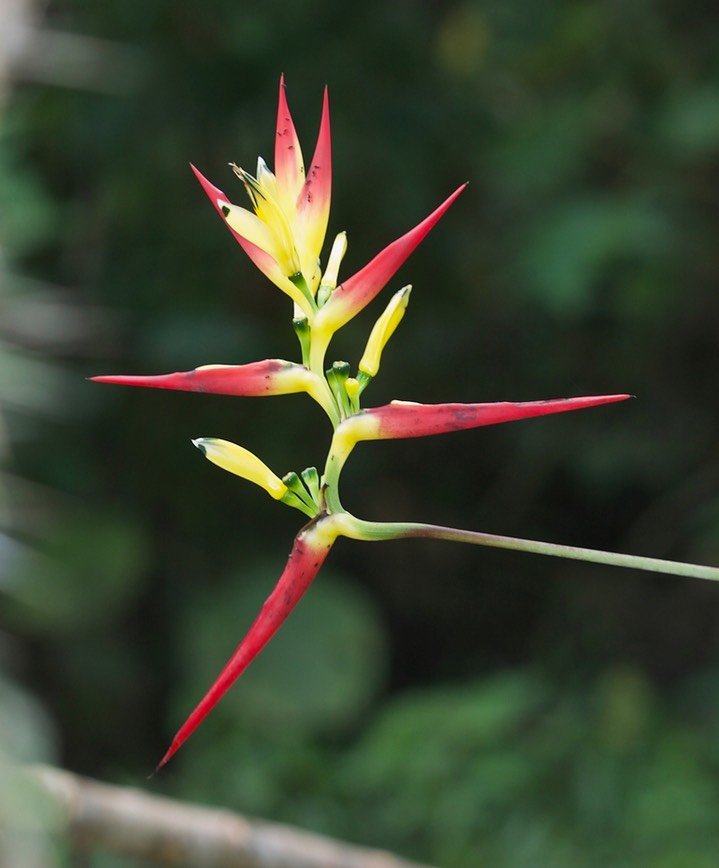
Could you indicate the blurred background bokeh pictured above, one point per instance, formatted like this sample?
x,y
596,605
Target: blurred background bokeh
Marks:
x,y
460,706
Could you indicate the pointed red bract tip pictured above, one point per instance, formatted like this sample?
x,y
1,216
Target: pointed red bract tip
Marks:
x,y
261,258
313,202
165,758
357,292
288,154
307,556
213,192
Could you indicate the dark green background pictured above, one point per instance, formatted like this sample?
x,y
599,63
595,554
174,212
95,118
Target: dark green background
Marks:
x,y
462,706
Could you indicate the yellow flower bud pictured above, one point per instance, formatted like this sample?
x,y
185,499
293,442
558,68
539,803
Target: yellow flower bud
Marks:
x,y
329,278
383,331
241,462
352,387
339,248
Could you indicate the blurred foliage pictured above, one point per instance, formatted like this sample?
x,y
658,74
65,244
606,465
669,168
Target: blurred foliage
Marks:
x,y
461,706
519,773
26,819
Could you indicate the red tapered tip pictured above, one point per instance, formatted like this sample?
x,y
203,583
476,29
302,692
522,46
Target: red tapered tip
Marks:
x,y
309,551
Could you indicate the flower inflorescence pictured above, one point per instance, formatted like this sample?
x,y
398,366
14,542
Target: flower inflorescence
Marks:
x,y
283,234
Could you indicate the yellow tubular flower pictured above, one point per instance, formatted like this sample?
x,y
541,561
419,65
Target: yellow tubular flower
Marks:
x,y
383,331
229,456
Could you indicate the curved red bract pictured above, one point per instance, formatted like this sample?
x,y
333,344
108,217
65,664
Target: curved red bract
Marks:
x,y
309,551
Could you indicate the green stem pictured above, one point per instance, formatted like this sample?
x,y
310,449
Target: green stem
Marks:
x,y
325,397
369,530
330,484
299,281
302,329
318,350
314,346
339,452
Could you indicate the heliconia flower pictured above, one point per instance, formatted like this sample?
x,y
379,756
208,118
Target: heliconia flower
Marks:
x,y
240,461
311,546
383,330
285,231
405,419
284,234
268,377
355,293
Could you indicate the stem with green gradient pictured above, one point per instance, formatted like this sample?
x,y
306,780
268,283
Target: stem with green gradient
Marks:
x,y
373,531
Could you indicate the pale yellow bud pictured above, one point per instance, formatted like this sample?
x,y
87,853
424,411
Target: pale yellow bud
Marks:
x,y
331,273
229,456
383,331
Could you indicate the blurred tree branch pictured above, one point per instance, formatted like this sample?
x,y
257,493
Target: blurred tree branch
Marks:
x,y
166,832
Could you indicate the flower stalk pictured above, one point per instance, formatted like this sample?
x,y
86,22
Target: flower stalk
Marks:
x,y
372,531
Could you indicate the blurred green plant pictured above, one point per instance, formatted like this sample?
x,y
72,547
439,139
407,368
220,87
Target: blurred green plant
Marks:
x,y
514,772
27,387
50,545
549,111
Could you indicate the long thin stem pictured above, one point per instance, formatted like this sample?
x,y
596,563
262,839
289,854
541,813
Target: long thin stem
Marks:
x,y
369,530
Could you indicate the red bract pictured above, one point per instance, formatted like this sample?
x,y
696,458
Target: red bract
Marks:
x,y
404,419
313,203
289,165
268,377
309,551
355,293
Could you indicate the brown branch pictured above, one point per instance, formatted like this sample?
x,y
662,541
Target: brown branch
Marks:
x,y
166,832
